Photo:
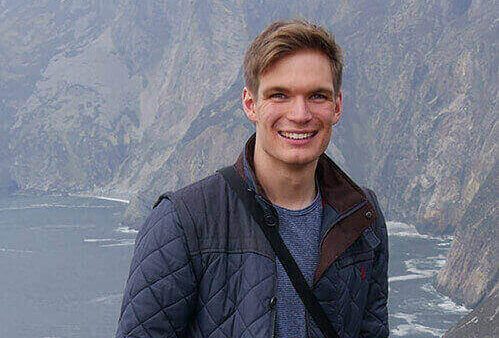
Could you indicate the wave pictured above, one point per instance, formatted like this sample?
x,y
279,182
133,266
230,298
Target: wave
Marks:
x,y
46,205
61,227
111,199
125,242
415,267
114,199
109,299
449,306
110,242
412,328
444,302
97,240
15,250
126,230
406,277
399,229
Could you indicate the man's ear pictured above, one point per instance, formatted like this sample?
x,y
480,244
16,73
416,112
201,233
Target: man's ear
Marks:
x,y
249,102
338,107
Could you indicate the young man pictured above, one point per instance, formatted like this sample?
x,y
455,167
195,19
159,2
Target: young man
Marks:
x,y
202,266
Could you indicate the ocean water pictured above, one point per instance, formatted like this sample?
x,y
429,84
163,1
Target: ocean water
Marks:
x,y
64,262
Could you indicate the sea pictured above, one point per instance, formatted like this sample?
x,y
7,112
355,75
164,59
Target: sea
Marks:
x,y
64,261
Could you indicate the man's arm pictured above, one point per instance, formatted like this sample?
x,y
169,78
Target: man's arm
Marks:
x,y
375,318
160,292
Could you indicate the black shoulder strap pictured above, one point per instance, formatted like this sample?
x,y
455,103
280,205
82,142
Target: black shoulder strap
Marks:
x,y
271,232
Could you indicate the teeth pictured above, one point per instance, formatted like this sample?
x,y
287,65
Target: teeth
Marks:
x,y
296,136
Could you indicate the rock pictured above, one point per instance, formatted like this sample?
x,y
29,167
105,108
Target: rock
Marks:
x,y
482,322
471,270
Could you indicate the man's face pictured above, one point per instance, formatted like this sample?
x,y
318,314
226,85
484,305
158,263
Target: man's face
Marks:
x,y
295,108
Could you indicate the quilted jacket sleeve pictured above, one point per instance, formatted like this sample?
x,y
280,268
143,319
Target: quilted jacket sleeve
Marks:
x,y
375,318
160,292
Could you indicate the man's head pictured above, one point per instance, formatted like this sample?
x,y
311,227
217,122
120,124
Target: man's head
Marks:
x,y
293,78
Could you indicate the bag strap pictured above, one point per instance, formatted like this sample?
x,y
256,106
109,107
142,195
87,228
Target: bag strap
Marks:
x,y
268,224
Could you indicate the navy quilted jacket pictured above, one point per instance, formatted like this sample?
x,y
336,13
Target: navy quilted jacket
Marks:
x,y
203,268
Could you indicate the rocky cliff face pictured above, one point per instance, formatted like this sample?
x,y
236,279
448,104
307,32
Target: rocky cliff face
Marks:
x,y
107,93
42,139
480,323
134,99
471,271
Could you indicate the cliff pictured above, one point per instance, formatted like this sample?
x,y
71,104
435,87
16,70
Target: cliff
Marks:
x,y
101,97
471,270
480,323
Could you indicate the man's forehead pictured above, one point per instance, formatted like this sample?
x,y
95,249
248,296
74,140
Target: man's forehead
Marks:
x,y
303,69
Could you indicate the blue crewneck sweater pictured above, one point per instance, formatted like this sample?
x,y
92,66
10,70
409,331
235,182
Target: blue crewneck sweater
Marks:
x,y
300,230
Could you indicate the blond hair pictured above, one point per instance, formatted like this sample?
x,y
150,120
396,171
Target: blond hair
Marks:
x,y
283,38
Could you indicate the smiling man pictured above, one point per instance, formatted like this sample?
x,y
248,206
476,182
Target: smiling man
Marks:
x,y
240,253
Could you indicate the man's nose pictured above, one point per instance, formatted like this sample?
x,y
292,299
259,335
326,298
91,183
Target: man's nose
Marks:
x,y
300,111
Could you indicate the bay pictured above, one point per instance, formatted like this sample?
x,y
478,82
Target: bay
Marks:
x,y
64,262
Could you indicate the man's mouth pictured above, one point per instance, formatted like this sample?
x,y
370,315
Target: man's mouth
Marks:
x,y
297,136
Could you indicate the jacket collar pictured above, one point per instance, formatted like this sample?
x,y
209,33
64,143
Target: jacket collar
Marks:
x,y
339,191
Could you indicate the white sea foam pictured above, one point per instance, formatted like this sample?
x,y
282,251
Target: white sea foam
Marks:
x,y
450,306
97,240
109,299
413,328
124,242
406,277
412,265
111,199
107,198
110,242
61,227
127,230
444,302
416,272
47,205
15,250
399,229
406,316
439,261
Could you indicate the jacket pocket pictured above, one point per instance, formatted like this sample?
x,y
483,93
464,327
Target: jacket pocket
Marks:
x,y
355,258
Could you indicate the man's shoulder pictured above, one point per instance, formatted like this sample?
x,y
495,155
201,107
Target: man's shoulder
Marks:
x,y
210,183
204,189
193,191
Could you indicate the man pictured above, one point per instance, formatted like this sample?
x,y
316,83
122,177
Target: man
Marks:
x,y
202,266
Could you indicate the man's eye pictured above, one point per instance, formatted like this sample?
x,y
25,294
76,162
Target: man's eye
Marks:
x,y
278,96
318,96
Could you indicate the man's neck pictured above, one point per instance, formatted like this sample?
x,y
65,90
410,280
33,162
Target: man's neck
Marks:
x,y
290,187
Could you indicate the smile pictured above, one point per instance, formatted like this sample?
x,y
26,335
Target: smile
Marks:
x,y
297,136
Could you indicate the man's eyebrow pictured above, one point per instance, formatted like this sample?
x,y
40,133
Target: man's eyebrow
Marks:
x,y
275,89
323,90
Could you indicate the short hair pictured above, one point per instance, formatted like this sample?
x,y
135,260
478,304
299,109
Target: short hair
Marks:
x,y
283,38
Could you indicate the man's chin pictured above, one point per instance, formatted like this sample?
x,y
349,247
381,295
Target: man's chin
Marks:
x,y
301,161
